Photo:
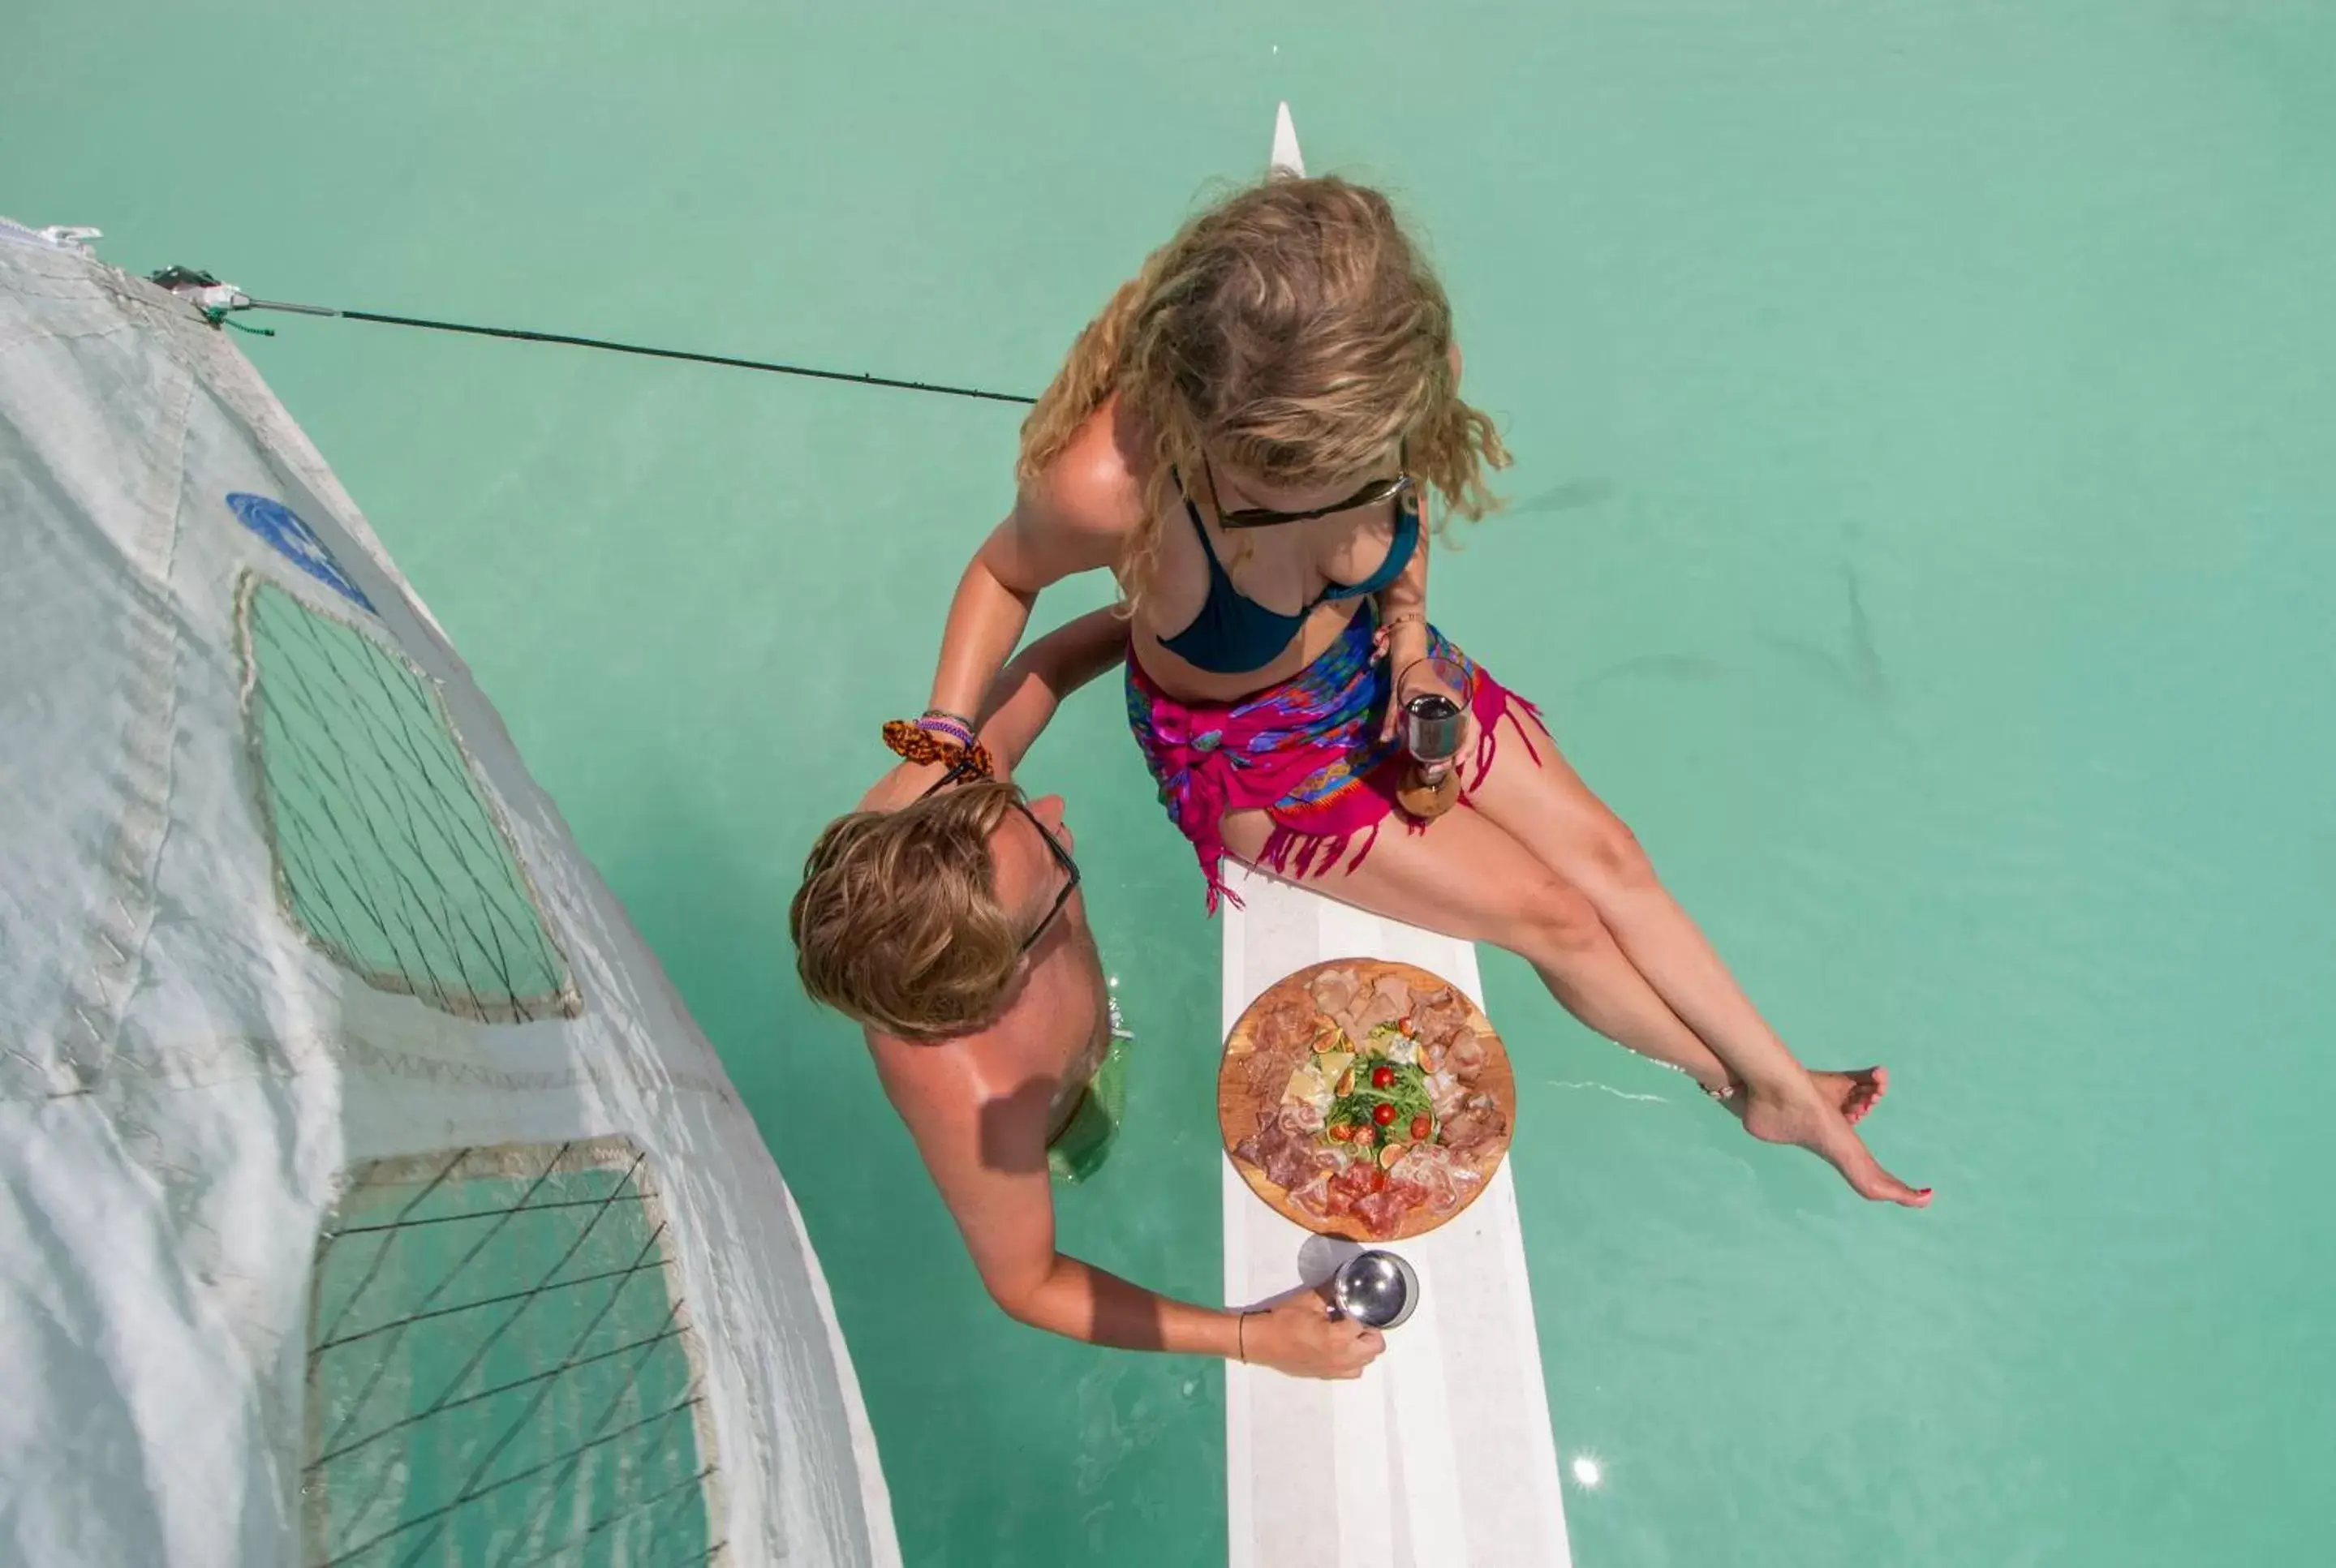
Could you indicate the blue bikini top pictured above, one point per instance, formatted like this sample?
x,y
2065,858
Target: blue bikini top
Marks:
x,y
1233,634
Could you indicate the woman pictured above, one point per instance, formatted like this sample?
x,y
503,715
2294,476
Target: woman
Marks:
x,y
1242,438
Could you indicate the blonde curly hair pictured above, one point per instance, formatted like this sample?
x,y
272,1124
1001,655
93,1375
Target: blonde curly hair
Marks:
x,y
1294,328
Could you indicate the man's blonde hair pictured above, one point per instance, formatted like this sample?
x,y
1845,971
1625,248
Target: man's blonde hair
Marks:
x,y
1295,327
898,923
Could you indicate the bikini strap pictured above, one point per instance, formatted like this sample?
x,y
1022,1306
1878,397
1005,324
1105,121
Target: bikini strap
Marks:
x,y
1199,527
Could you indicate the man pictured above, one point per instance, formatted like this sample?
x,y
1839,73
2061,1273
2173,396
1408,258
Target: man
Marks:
x,y
945,916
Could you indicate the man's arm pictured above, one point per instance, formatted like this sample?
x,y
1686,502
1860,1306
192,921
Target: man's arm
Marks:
x,y
987,1151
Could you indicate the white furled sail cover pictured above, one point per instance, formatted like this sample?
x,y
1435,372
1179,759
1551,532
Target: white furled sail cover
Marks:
x,y
367,1199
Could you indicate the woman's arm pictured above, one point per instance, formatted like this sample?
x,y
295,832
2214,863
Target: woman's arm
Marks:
x,y
1402,620
1021,704
1403,612
1072,520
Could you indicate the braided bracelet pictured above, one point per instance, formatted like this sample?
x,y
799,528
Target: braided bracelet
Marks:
x,y
912,743
948,726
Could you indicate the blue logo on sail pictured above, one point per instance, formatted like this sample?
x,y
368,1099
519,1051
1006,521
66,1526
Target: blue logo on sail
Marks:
x,y
281,527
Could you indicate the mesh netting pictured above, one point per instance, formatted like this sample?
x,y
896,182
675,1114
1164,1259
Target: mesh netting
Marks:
x,y
499,1373
387,854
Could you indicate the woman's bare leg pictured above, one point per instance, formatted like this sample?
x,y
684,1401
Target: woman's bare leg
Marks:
x,y
1467,876
1569,831
1468,884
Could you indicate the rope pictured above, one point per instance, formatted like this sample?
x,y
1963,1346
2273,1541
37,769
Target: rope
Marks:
x,y
217,314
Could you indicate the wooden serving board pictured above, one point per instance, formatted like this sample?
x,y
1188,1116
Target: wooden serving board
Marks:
x,y
1238,1105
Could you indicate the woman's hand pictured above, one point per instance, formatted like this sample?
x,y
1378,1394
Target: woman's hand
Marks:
x,y
1397,644
1416,673
1436,676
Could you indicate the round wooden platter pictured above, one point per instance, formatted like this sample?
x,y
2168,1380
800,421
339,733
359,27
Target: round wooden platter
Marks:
x,y
1237,1107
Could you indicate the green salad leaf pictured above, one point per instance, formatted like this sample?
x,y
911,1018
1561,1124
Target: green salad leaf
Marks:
x,y
1408,1094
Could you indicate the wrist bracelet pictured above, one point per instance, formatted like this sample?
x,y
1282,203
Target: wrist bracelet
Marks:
x,y
949,726
945,713
914,743
1241,1338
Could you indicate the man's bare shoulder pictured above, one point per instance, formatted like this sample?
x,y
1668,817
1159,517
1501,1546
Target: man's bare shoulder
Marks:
x,y
956,1090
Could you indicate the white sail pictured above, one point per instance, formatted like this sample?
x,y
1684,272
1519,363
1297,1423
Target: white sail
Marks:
x,y
1285,158
366,1194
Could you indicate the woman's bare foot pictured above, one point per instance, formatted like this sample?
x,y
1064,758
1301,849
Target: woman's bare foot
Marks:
x,y
1818,1118
1853,1093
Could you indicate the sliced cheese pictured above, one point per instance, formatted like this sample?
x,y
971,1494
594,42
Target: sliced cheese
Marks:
x,y
1308,1087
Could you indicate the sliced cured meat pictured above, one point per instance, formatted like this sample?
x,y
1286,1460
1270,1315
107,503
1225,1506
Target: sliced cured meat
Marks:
x,y
1251,1149
1440,1015
1314,1195
1288,1156
1291,1164
1473,1130
1371,1008
1304,1117
1428,1168
1333,988
1284,1027
1262,1075
1384,1210
1445,1092
1463,1053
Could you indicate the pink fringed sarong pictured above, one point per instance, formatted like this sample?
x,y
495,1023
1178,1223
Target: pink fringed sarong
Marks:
x,y
1307,752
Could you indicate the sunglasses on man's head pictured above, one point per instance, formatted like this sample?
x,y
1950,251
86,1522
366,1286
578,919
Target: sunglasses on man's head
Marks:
x,y
961,771
1378,492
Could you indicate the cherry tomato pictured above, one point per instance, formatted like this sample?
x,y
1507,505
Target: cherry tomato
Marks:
x,y
1383,1113
1421,1126
1382,1078
1366,1136
1342,1130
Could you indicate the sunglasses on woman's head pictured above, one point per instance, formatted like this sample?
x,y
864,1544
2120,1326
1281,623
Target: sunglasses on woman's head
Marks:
x,y
1378,492
962,770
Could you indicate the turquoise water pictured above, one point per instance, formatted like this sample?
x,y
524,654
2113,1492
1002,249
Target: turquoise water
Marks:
x,y
1920,534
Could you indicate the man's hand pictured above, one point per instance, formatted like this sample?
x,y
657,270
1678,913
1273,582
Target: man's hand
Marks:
x,y
1297,1335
